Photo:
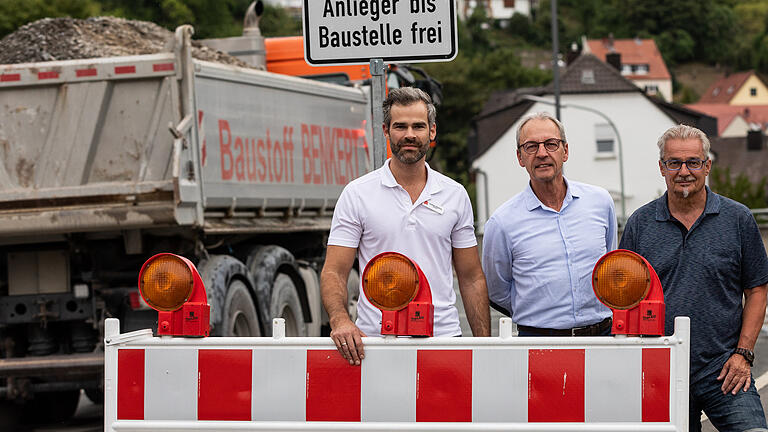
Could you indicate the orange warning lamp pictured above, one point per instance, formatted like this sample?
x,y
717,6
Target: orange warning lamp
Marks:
x,y
171,285
396,285
625,282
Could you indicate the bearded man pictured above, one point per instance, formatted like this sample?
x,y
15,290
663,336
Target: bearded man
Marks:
x,y
713,267
407,207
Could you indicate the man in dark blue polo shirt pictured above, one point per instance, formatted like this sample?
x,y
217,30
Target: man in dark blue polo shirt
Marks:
x,y
708,253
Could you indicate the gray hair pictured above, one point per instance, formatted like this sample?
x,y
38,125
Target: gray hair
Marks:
x,y
406,96
543,115
683,132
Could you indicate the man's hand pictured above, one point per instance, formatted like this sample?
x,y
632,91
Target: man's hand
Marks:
x,y
347,338
474,293
736,374
333,289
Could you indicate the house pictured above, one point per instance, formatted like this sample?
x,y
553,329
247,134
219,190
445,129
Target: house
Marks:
x,y
639,60
735,121
586,86
746,155
497,9
743,88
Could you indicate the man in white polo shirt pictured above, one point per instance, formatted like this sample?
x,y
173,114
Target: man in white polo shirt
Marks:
x,y
407,207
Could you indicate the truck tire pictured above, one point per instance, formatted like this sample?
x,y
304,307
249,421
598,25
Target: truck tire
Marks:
x,y
353,293
221,273
286,304
240,317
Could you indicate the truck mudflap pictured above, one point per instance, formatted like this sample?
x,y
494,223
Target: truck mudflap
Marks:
x,y
496,383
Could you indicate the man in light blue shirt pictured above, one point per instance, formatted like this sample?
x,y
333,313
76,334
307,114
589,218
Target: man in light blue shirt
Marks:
x,y
539,248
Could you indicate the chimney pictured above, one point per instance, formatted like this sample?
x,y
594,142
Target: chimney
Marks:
x,y
572,54
755,140
614,59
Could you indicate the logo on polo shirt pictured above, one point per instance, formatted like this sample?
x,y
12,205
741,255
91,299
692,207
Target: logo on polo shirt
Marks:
x,y
434,207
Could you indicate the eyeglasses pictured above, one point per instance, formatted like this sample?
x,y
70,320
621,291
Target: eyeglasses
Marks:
x,y
532,147
677,164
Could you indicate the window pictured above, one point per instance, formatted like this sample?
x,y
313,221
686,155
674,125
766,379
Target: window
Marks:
x,y
641,69
587,76
626,69
651,89
716,91
753,91
604,139
509,4
730,90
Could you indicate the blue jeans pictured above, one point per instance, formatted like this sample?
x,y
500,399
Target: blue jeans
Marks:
x,y
727,412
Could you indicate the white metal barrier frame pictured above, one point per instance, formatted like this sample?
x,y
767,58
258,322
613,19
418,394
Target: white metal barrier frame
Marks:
x,y
495,383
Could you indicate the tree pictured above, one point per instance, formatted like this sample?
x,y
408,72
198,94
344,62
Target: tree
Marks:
x,y
15,13
485,63
739,187
277,22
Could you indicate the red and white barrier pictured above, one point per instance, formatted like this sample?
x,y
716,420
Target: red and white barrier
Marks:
x,y
504,383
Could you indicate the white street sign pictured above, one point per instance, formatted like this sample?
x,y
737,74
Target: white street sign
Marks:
x,y
356,31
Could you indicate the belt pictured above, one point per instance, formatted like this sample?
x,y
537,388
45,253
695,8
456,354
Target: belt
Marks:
x,y
589,330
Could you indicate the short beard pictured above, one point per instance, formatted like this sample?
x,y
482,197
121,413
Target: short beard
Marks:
x,y
409,158
686,192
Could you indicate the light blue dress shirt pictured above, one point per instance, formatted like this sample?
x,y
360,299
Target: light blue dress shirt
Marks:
x,y
538,262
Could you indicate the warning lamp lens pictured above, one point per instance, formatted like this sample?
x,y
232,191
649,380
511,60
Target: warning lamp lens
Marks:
x,y
621,280
390,281
166,283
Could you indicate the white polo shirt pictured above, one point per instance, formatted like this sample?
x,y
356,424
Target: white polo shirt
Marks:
x,y
374,214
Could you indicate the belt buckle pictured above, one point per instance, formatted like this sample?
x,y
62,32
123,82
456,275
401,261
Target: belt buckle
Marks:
x,y
576,329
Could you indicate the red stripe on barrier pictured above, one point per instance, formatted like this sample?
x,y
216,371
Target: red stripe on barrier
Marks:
x,y
86,72
160,67
444,385
10,77
130,384
224,386
656,384
125,69
47,75
333,387
556,385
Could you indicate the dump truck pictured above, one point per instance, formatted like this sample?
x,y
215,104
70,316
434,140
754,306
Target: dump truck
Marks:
x,y
107,161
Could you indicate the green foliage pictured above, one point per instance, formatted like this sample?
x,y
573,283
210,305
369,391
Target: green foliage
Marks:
x,y
487,61
676,46
277,22
686,95
738,187
15,13
211,18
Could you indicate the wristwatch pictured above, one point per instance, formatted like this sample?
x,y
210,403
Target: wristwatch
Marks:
x,y
747,354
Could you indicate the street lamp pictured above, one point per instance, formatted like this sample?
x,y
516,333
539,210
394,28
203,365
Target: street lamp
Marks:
x,y
618,139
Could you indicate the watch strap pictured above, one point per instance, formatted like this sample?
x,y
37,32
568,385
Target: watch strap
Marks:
x,y
747,354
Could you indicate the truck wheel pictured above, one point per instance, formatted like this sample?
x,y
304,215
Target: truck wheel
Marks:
x,y
285,304
353,293
240,317
220,274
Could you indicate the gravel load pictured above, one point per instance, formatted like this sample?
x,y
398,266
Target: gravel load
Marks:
x,y
51,39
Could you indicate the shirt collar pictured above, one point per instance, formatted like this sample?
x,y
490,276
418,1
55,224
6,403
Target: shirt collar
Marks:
x,y
532,201
388,179
662,205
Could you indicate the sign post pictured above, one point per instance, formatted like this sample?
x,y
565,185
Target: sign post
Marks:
x,y
377,32
378,93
